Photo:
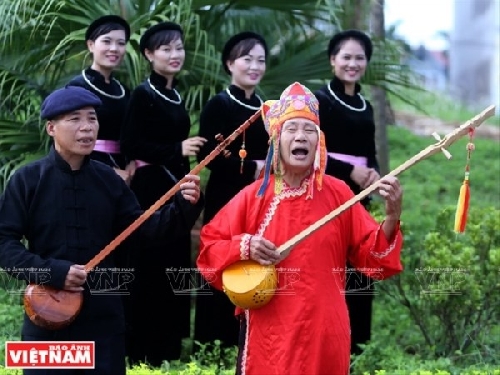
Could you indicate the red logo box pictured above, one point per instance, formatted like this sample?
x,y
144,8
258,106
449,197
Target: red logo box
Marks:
x,y
50,354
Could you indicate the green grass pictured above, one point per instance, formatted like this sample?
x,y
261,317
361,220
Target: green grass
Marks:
x,y
11,313
437,105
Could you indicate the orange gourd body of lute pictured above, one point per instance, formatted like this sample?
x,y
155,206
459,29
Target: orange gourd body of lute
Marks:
x,y
248,284
51,308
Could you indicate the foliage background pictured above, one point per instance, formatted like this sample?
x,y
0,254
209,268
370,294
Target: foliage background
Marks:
x,y
41,48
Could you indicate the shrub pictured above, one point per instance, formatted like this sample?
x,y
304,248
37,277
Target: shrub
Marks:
x,y
450,290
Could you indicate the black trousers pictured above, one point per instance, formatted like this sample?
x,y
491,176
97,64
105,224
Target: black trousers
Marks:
x,y
157,312
215,319
109,357
359,299
241,344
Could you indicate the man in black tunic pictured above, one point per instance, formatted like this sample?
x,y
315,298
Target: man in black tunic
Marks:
x,y
69,207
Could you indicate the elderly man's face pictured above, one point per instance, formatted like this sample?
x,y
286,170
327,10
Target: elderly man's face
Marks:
x,y
299,139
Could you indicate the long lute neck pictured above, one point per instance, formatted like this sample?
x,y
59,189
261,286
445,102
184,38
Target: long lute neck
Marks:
x,y
425,153
164,198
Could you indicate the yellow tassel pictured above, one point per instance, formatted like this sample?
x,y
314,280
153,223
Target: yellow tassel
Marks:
x,y
462,207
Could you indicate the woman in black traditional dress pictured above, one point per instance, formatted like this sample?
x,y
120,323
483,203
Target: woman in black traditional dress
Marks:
x,y
347,121
156,135
107,39
244,59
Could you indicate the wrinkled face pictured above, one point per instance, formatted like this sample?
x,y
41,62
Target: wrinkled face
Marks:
x,y
108,49
168,59
248,70
74,133
299,139
350,62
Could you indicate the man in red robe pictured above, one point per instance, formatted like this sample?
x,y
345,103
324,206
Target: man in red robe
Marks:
x,y
304,329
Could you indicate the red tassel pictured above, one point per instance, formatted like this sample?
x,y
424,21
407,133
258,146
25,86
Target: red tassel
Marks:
x,y
464,197
462,207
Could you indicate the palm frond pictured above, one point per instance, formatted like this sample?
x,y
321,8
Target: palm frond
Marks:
x,y
42,47
7,168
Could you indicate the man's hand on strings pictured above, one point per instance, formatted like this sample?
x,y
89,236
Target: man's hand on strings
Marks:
x,y
392,192
263,251
75,278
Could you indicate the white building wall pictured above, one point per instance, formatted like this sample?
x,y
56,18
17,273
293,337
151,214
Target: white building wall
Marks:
x,y
475,52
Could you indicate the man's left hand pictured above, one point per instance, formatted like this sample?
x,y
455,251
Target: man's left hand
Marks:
x,y
190,189
392,192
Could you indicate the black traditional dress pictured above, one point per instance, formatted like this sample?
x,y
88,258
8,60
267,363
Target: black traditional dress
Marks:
x,y
223,114
155,126
114,96
348,124
68,216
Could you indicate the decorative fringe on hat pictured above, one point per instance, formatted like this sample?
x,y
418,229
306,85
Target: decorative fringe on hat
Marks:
x,y
320,171
319,164
277,166
464,197
267,170
266,106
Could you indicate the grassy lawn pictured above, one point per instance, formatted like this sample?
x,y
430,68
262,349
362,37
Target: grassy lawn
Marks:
x,y
437,105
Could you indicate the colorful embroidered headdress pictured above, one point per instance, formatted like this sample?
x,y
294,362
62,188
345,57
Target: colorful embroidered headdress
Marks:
x,y
297,101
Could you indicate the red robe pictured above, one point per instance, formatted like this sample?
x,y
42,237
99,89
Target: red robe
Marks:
x,y
304,329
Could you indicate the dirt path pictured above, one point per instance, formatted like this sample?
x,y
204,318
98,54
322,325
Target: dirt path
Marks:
x,y
422,125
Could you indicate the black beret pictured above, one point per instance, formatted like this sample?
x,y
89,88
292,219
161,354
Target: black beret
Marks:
x,y
67,100
234,40
351,34
162,26
108,19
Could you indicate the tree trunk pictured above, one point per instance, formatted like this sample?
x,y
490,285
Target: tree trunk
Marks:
x,y
363,15
356,14
379,97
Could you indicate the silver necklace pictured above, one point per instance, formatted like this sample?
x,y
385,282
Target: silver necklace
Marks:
x,y
347,105
243,104
102,92
177,102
